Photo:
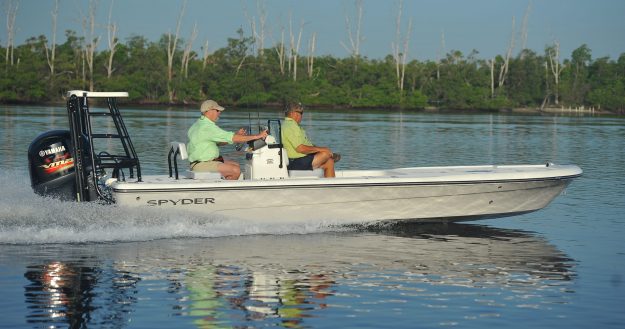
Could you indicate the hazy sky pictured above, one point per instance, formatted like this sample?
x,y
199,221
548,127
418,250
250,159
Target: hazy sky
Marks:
x,y
484,25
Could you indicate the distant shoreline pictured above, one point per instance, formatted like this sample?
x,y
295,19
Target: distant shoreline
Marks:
x,y
521,110
562,110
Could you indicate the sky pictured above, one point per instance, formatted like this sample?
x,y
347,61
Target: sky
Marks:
x,y
483,25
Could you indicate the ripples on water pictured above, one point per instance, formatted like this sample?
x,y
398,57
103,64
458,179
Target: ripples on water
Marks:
x,y
454,274
439,274
88,265
26,218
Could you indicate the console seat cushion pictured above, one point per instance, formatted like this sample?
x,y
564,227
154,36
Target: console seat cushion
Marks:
x,y
317,173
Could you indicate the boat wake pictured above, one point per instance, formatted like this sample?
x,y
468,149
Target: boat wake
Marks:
x,y
26,218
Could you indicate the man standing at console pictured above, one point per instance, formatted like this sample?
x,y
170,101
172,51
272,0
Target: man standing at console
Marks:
x,y
205,137
303,155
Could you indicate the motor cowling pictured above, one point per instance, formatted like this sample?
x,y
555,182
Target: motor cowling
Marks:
x,y
51,165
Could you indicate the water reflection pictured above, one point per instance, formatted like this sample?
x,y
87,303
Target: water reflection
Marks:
x,y
285,280
59,293
77,294
222,295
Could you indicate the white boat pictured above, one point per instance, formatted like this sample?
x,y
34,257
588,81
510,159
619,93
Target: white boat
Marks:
x,y
424,194
268,191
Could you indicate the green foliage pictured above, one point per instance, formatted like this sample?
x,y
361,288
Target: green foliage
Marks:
x,y
611,97
239,75
608,81
255,99
525,82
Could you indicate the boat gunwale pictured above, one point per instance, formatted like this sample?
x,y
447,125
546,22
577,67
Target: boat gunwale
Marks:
x,y
302,185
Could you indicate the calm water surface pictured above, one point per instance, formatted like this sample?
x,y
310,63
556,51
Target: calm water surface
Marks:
x,y
88,265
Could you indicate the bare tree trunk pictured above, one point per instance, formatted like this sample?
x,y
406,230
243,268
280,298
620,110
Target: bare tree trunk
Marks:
x,y
524,27
395,45
259,36
88,24
556,68
400,57
205,55
51,53
258,33
547,91
492,78
262,19
11,15
186,56
171,51
280,51
542,105
311,55
84,69
354,40
112,42
405,54
240,65
253,28
441,53
245,55
503,71
291,44
294,53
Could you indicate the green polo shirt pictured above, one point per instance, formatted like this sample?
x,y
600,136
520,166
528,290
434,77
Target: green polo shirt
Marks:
x,y
293,135
204,135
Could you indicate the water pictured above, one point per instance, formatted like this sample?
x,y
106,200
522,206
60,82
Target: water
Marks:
x,y
90,265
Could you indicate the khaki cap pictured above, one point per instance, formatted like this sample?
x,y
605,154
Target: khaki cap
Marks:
x,y
210,105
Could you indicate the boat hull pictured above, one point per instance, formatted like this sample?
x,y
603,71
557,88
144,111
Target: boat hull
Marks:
x,y
454,196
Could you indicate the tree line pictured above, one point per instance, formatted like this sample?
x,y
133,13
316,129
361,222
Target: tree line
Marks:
x,y
168,71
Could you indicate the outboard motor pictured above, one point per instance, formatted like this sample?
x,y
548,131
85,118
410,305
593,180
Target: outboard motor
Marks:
x,y
51,165
64,164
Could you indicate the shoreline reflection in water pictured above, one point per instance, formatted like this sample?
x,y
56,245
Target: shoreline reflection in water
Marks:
x,y
286,279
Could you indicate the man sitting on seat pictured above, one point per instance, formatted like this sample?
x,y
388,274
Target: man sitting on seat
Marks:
x,y
205,137
303,155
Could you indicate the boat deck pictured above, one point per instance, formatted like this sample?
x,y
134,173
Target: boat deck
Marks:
x,y
470,173
415,175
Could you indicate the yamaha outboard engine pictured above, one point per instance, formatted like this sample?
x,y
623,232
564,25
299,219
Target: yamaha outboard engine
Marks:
x,y
63,164
51,165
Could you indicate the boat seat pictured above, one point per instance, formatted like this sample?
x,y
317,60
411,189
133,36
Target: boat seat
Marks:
x,y
315,173
202,175
179,150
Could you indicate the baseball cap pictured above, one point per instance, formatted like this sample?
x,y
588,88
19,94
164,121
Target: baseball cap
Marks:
x,y
210,105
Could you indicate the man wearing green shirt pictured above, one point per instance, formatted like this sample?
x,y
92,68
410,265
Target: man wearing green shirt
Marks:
x,y
205,137
303,154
